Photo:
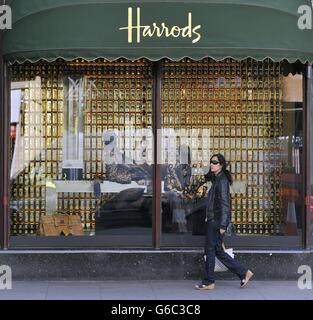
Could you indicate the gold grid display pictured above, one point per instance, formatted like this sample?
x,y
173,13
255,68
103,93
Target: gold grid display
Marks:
x,y
118,99
117,95
39,146
240,105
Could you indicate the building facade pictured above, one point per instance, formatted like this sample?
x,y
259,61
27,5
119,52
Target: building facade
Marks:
x,y
114,120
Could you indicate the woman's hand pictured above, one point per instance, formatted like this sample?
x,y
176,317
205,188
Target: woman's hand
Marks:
x,y
222,231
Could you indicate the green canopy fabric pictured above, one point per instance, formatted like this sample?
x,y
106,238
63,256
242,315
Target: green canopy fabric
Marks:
x,y
70,29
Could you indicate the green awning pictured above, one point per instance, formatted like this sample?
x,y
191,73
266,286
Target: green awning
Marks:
x,y
69,29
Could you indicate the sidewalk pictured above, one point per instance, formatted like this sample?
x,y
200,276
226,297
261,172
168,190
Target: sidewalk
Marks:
x,y
153,290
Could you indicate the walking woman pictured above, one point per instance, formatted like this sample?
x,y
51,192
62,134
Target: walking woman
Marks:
x,y
218,216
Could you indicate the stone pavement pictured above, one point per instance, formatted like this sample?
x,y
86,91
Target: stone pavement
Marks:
x,y
153,290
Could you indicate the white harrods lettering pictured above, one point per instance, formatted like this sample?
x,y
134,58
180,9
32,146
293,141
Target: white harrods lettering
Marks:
x,y
161,30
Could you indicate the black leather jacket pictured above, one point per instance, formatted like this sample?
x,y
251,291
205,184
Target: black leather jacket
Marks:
x,y
219,202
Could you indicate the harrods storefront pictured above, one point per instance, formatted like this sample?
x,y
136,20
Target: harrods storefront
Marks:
x,y
116,108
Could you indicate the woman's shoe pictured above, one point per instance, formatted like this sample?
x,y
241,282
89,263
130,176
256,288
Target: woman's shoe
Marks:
x,y
249,275
210,286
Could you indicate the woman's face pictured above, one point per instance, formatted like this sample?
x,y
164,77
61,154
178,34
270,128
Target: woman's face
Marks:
x,y
215,165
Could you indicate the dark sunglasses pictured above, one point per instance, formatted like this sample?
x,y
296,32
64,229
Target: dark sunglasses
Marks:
x,y
214,162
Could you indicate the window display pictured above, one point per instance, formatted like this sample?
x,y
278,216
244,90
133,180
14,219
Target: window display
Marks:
x,y
82,144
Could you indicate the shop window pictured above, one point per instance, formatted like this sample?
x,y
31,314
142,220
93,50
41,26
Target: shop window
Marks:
x,y
252,114
82,145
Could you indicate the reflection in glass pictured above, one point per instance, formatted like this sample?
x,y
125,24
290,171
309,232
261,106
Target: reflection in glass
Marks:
x,y
63,121
255,128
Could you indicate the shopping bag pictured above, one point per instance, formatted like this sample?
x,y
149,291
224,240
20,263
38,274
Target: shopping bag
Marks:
x,y
219,267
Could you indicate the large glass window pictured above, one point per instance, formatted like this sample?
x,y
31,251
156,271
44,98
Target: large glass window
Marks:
x,y
242,110
82,145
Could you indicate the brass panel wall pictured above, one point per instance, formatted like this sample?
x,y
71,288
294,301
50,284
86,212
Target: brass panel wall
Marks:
x,y
116,95
238,102
240,105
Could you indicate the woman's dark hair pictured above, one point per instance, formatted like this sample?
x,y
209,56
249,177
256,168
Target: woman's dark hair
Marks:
x,y
210,175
